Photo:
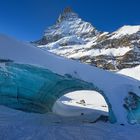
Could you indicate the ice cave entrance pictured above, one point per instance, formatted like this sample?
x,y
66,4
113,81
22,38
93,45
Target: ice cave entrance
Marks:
x,y
82,103
39,90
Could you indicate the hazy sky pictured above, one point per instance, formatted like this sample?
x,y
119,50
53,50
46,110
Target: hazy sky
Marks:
x,y
27,19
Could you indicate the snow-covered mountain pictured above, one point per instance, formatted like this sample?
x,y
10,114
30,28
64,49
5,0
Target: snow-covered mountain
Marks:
x,y
70,27
74,38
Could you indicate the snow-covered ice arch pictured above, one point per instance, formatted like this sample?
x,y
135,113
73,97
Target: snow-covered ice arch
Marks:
x,y
35,89
29,85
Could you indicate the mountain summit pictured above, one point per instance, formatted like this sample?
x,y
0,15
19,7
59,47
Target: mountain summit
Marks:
x,y
74,38
69,25
67,14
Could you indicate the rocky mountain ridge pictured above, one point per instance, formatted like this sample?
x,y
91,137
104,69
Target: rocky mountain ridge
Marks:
x,y
74,38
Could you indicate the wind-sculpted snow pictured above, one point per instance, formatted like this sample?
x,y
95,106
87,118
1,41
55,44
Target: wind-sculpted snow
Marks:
x,y
115,87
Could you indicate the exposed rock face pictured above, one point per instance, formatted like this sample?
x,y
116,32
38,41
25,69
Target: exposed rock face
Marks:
x,y
74,38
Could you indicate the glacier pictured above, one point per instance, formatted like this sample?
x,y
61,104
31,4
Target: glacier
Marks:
x,y
32,66
34,89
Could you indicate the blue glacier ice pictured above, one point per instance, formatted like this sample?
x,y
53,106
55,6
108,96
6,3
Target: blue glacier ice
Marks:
x,y
35,89
132,105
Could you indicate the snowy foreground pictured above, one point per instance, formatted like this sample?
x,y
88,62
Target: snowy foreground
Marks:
x,y
18,125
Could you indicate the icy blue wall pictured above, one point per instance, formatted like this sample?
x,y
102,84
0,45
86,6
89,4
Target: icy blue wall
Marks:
x,y
132,105
35,89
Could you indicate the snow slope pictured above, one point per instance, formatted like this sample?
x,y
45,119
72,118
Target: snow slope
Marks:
x,y
131,72
125,30
18,125
96,52
115,87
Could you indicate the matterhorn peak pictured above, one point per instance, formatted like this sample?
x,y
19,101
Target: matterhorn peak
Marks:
x,y
67,14
69,27
68,10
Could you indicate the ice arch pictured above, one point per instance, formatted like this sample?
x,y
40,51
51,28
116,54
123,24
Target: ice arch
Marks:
x,y
35,89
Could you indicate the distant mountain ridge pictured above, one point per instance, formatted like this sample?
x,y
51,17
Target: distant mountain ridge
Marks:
x,y
74,38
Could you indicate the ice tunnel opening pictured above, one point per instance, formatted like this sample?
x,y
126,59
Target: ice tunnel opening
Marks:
x,y
33,89
88,103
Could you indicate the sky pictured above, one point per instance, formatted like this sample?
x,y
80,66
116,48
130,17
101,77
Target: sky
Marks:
x,y
27,19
